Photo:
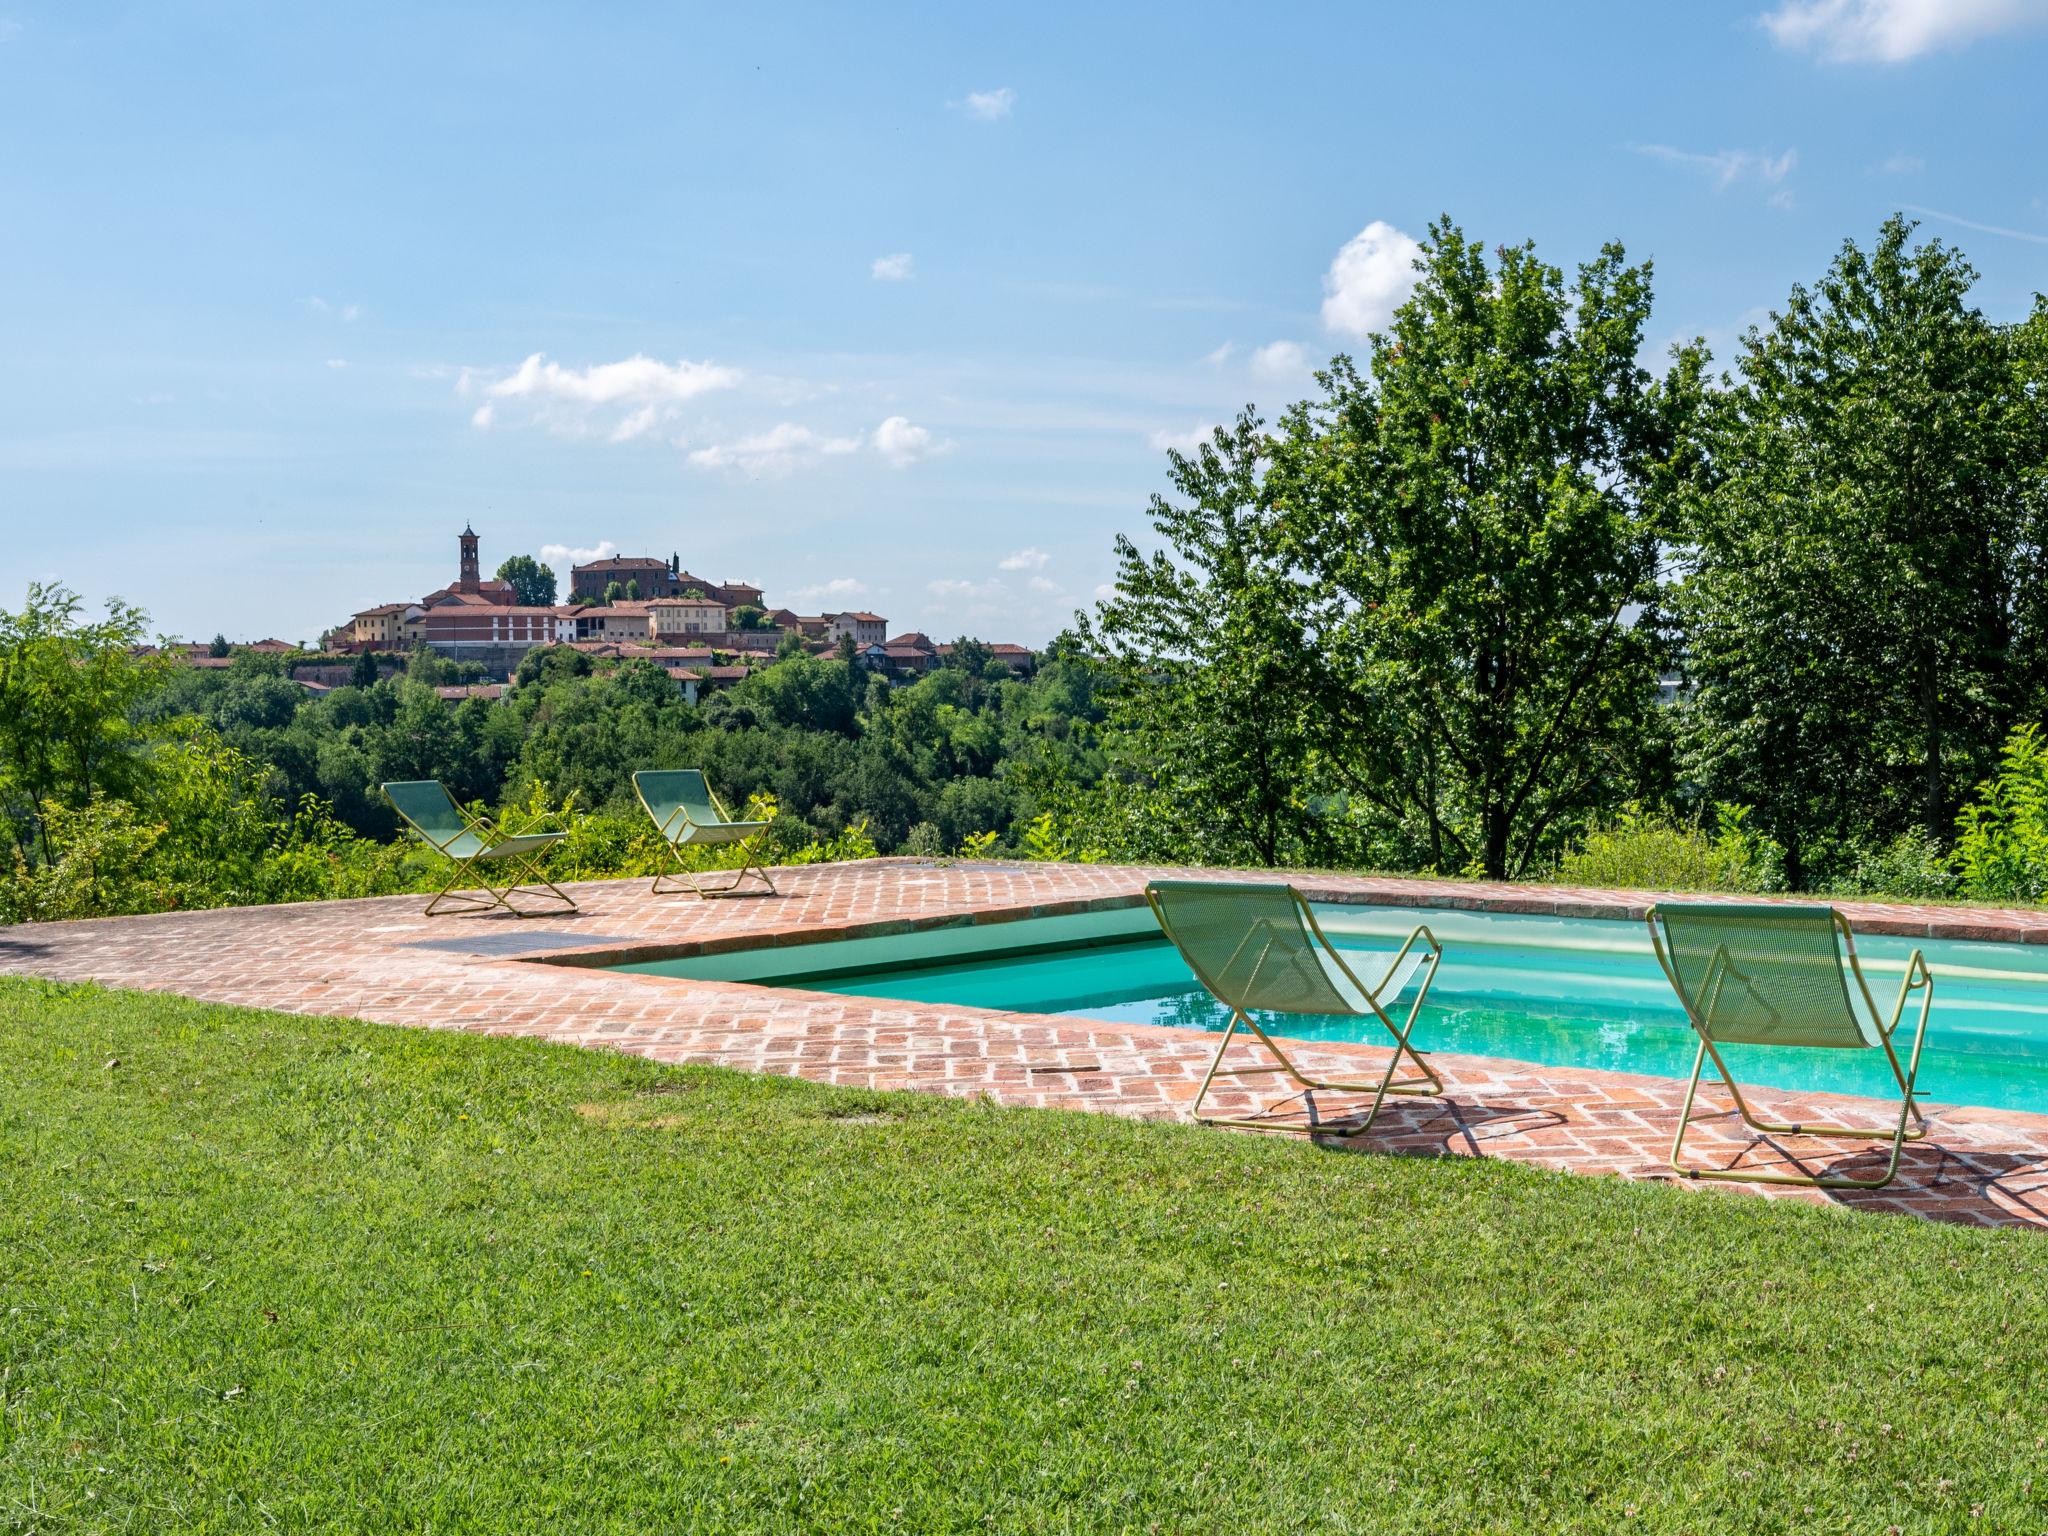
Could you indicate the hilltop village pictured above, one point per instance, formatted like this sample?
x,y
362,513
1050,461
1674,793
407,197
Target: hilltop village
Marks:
x,y
703,632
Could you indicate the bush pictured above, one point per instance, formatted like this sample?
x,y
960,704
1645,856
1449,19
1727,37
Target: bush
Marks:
x,y
2002,838
1643,849
1912,866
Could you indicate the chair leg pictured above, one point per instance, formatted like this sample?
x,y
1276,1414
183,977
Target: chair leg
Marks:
x,y
750,865
1898,1135
450,900
1428,1083
526,878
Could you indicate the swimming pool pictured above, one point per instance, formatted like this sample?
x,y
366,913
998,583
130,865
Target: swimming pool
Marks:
x,y
1581,992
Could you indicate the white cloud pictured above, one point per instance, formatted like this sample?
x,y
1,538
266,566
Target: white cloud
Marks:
x,y
955,590
337,363
1367,282
839,589
893,269
561,556
990,106
902,444
571,401
1221,355
776,451
1042,586
633,426
1893,31
1903,165
1279,361
348,313
2034,237
1181,442
1027,559
1726,167
637,380
482,417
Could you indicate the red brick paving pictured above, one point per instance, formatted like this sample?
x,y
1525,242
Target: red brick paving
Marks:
x,y
381,960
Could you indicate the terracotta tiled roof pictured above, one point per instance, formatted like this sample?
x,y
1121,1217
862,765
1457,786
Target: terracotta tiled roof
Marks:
x,y
622,563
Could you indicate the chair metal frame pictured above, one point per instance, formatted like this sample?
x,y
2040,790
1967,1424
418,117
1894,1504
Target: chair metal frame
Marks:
x,y
750,848
1426,1084
525,871
1720,970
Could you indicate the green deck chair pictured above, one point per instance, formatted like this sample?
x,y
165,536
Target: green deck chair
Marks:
x,y
1258,948
1784,973
689,815
498,864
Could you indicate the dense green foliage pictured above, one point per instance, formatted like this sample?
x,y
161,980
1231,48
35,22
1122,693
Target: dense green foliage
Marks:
x,y
267,1271
1416,624
131,783
1862,588
1420,623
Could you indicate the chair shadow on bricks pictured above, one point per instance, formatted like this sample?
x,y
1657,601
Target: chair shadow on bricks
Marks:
x,y
1963,1185
1408,1127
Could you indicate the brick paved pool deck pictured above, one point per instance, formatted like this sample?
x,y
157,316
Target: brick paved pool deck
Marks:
x,y
381,960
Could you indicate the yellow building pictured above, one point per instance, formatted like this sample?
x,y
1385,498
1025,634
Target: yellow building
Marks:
x,y
673,617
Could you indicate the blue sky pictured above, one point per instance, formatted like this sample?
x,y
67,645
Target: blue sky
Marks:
x,y
877,307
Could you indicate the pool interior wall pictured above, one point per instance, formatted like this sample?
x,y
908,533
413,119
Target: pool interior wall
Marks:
x,y
1555,991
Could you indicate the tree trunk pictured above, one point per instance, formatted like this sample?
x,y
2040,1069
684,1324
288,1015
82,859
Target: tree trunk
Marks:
x,y
1498,826
1932,799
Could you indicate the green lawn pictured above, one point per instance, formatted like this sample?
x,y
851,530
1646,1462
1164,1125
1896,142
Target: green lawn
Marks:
x,y
262,1272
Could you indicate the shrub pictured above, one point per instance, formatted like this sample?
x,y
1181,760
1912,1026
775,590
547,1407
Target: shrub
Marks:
x,y
1642,849
1911,866
2002,837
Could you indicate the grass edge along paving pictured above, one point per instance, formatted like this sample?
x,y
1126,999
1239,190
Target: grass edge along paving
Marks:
x,y
260,1270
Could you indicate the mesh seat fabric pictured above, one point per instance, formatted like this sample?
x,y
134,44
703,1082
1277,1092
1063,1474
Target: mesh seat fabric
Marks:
x,y
1766,974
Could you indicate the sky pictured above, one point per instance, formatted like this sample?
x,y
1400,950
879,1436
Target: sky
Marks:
x,y
891,307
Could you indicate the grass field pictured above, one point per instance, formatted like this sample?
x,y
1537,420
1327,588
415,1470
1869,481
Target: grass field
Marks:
x,y
260,1272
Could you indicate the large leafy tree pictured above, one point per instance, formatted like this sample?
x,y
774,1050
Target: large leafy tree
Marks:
x,y
1861,577
533,584
1202,638
1477,515
69,686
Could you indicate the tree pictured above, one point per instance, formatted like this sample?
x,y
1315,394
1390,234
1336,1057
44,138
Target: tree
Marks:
x,y
633,589
1861,588
612,593
1202,640
1477,515
219,647
364,673
747,619
846,650
533,584
68,690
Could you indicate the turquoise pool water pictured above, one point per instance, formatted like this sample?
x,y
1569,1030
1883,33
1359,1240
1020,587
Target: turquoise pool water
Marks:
x,y
1566,992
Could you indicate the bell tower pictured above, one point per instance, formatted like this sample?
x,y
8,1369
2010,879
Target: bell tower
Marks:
x,y
470,581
